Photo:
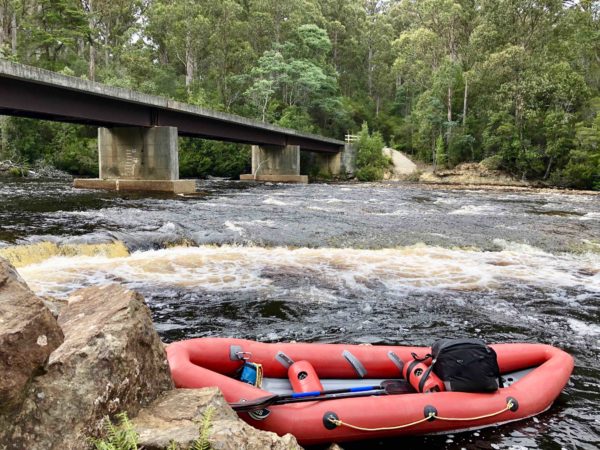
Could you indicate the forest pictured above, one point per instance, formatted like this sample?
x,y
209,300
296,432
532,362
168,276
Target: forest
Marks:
x,y
513,83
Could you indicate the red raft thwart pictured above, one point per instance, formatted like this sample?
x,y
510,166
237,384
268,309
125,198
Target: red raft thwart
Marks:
x,y
533,375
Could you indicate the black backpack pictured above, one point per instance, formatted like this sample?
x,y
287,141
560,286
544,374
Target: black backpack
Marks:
x,y
466,365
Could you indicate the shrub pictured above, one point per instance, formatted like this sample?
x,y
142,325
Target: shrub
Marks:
x,y
493,162
17,172
369,173
370,161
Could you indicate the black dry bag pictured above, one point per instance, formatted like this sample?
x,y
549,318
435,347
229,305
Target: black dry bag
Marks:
x,y
466,365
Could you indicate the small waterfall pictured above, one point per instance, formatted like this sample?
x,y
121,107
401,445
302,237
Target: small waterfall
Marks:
x,y
24,255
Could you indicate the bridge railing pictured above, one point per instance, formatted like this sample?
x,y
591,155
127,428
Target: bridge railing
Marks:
x,y
350,138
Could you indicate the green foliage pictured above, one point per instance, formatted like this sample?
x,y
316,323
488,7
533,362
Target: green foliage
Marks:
x,y
370,161
203,443
369,173
518,82
122,436
199,158
493,162
17,172
440,153
118,437
68,147
294,83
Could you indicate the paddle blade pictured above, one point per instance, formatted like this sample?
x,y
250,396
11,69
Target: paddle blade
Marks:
x,y
392,387
257,403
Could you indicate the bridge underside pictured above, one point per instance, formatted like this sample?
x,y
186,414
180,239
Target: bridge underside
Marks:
x,y
26,99
137,137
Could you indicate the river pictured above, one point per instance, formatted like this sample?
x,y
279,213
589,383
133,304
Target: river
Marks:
x,y
377,263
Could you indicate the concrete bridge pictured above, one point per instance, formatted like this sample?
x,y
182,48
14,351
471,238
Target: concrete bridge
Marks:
x,y
137,134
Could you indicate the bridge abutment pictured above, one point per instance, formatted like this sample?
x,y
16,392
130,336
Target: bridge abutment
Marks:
x,y
276,164
138,159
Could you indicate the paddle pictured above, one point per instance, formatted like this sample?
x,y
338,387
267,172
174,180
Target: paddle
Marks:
x,y
386,387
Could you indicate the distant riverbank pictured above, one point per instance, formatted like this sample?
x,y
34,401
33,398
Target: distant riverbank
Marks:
x,y
476,175
10,169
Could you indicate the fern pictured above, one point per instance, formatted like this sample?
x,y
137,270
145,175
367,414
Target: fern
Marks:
x,y
118,437
202,443
123,437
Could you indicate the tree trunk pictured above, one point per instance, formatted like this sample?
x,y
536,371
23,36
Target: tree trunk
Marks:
x,y
449,130
81,47
92,25
92,62
1,26
433,155
464,121
335,51
547,174
163,57
3,137
370,71
189,64
13,30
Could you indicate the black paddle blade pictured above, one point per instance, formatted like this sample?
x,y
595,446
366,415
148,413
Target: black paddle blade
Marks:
x,y
392,387
251,405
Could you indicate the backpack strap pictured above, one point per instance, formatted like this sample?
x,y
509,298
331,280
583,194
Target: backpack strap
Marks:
x,y
426,375
424,358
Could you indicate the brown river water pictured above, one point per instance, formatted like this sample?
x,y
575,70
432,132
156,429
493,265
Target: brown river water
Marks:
x,y
377,263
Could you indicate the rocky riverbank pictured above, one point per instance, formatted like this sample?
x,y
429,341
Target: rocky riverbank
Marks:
x,y
65,366
10,169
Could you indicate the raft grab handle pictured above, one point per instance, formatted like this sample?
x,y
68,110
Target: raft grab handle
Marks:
x,y
284,359
355,363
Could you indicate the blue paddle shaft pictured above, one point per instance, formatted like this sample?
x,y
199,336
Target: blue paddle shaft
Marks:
x,y
316,393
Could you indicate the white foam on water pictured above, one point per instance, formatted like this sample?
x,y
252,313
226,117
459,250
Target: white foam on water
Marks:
x,y
330,200
447,201
584,329
319,208
591,216
477,210
272,201
397,213
399,271
231,226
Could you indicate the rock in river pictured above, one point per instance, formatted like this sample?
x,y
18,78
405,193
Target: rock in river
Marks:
x,y
28,335
177,417
111,360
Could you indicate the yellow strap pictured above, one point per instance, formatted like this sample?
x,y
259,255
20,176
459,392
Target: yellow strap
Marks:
x,y
431,415
338,423
259,375
508,406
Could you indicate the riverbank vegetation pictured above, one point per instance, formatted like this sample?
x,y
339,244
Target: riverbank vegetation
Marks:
x,y
514,83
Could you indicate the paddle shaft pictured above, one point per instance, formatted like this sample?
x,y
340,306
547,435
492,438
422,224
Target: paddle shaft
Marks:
x,y
387,387
332,396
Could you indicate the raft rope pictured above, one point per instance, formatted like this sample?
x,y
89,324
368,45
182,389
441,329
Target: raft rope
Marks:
x,y
431,416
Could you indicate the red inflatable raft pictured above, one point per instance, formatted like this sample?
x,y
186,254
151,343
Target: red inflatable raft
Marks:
x,y
533,375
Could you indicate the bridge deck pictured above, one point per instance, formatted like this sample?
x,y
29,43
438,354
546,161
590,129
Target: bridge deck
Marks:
x,y
31,92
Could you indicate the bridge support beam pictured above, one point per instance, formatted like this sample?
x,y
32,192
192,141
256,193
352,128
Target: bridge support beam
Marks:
x,y
329,163
138,159
276,164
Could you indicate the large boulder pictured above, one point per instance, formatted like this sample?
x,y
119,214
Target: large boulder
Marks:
x,y
29,333
178,416
111,360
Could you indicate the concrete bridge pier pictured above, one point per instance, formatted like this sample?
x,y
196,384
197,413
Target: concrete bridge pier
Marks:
x,y
138,159
329,163
276,164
